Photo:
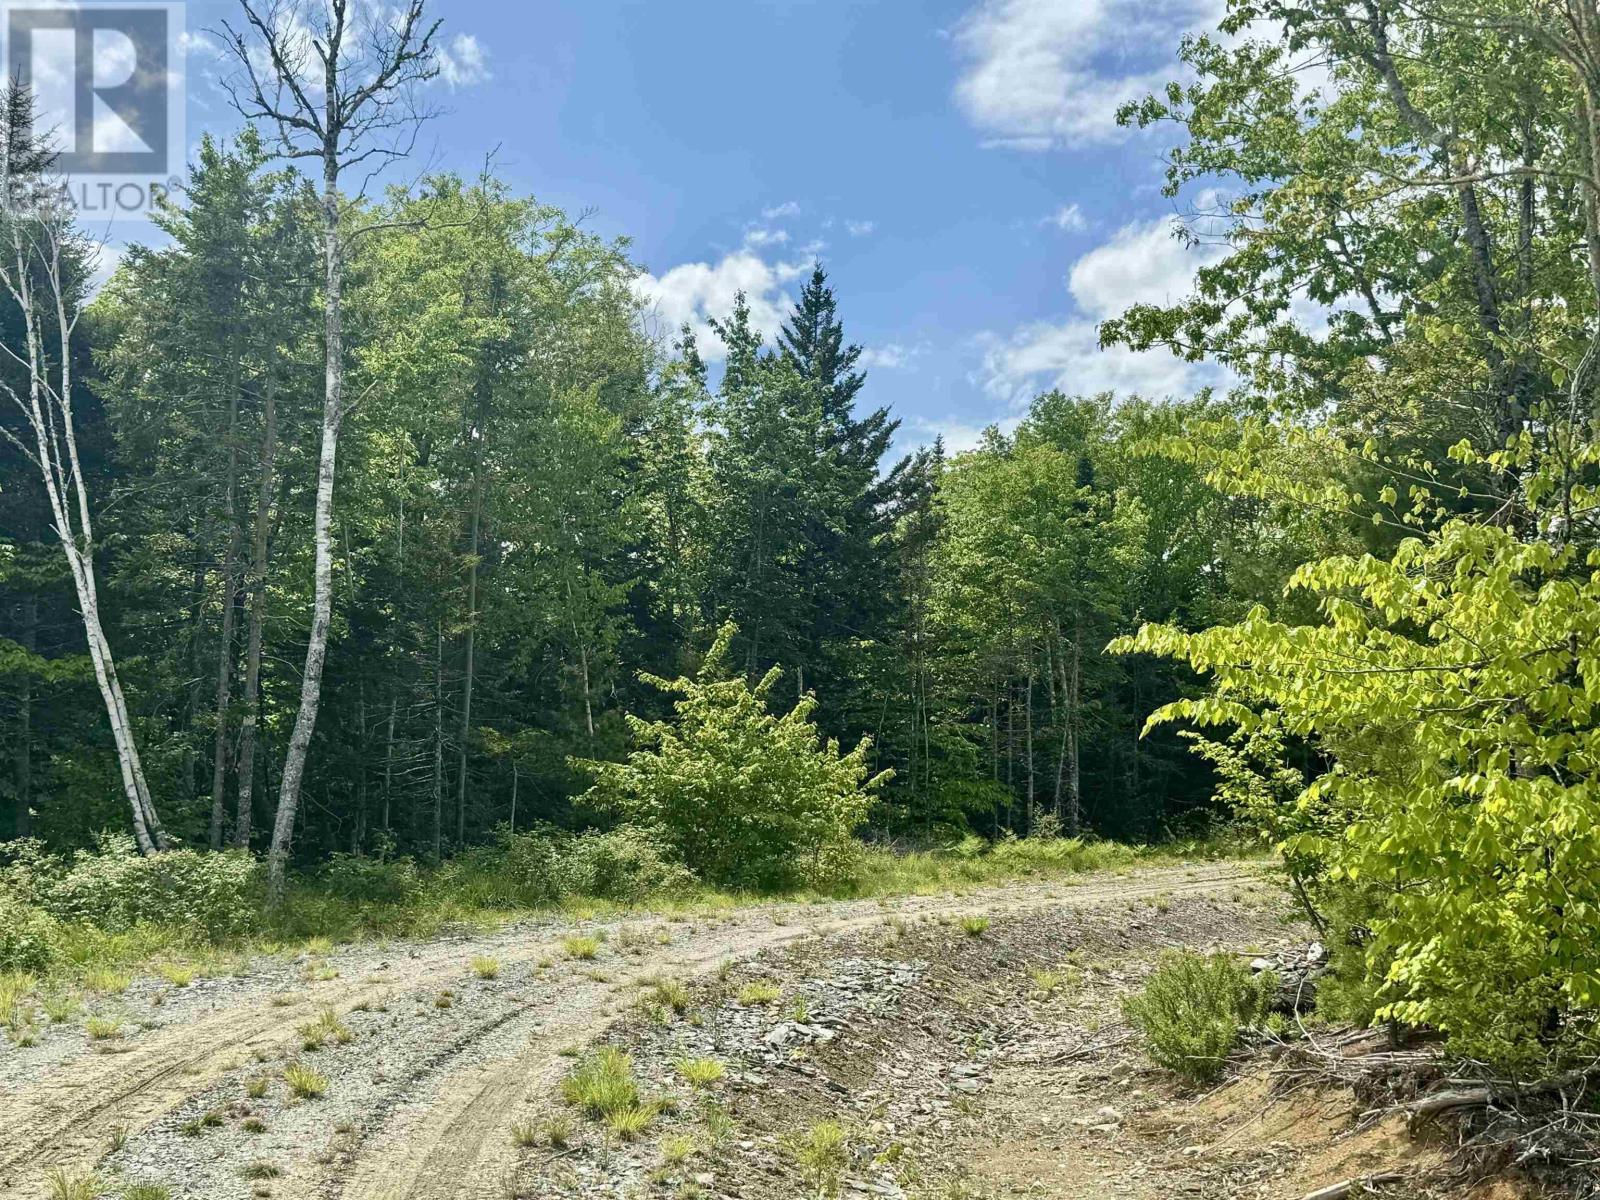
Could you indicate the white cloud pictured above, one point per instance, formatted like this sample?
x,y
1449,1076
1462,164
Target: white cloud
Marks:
x,y
859,228
778,211
694,292
106,258
1069,218
463,61
891,356
758,237
959,435
1039,74
1142,263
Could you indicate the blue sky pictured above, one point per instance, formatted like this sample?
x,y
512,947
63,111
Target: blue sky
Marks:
x,y
953,163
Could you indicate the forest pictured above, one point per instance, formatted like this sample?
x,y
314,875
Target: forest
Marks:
x,y
563,575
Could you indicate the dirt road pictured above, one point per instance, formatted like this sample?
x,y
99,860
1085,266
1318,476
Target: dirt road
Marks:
x,y
442,1063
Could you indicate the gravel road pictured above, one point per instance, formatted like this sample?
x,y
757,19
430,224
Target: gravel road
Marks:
x,y
421,1100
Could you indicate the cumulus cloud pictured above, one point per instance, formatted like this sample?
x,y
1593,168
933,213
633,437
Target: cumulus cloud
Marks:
x,y
859,228
692,293
1142,263
779,211
1040,74
463,61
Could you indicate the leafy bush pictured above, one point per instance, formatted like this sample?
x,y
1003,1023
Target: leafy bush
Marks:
x,y
747,798
373,881
1192,1008
27,938
116,888
625,864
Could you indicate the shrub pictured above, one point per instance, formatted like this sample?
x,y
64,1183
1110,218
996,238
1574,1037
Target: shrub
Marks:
x,y
1192,1008
361,880
625,864
27,937
116,888
748,799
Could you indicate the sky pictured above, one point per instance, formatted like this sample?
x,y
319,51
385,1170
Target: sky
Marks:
x,y
954,164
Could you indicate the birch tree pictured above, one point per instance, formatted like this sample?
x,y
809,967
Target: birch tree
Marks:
x,y
341,91
41,272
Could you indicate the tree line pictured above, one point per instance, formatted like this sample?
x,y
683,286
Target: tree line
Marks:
x,y
378,509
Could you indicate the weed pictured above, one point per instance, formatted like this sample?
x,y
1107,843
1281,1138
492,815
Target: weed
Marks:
x,y
59,1007
256,1086
305,1083
261,1169
444,999
314,1035
672,994
101,1029
147,1191
719,1125
602,1084
821,1153
106,981
678,1149
253,1125
525,1134
629,1123
759,993
179,975
700,1072
801,1011
65,1185
974,926
485,968
585,947
558,1131
119,1137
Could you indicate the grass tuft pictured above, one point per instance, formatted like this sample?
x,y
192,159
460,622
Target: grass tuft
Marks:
x,y
485,968
602,1084
701,1072
974,926
585,947
305,1083
822,1153
759,993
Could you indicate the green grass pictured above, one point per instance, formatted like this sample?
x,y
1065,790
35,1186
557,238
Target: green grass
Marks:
x,y
102,1029
602,1084
313,921
314,1035
583,948
485,968
759,993
305,1083
974,926
69,1185
821,1153
700,1072
147,1191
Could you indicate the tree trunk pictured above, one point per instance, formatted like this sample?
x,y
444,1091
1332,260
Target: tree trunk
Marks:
x,y
294,762
438,745
514,778
30,643
471,656
388,764
219,752
1027,717
251,700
